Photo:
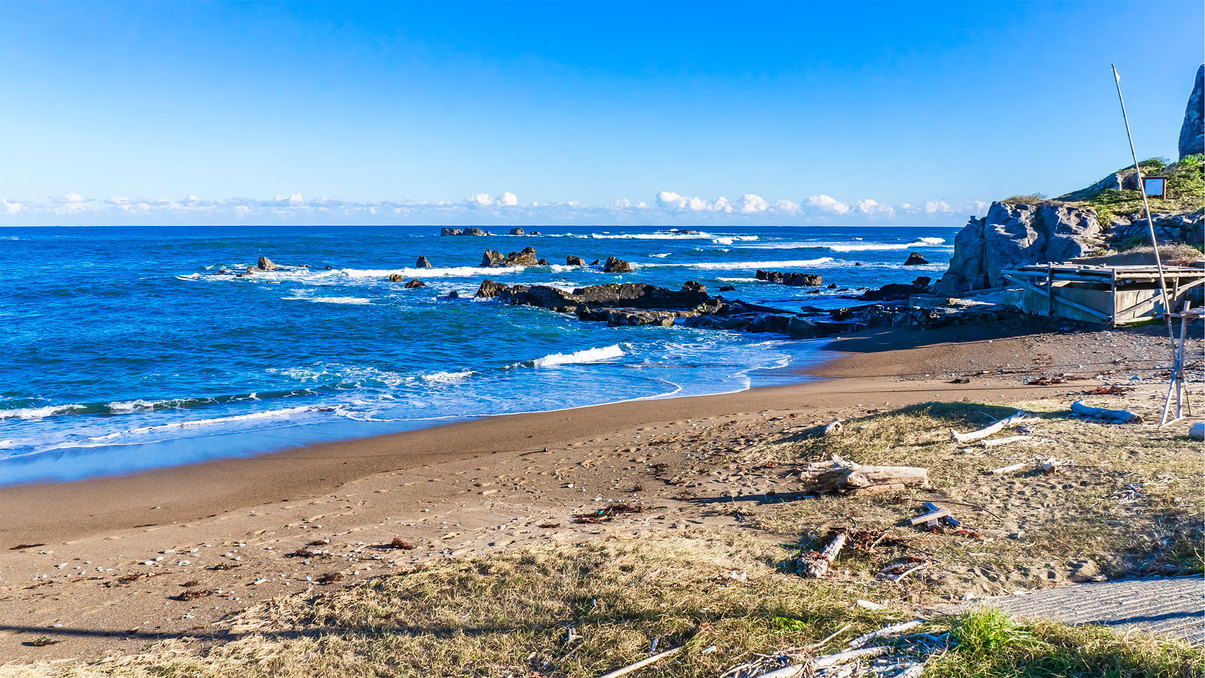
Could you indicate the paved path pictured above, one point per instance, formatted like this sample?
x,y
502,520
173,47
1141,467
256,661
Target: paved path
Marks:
x,y
1173,606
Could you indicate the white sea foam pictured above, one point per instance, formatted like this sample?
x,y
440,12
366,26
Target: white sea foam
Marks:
x,y
447,377
39,412
357,301
589,355
127,406
737,265
447,272
266,414
661,255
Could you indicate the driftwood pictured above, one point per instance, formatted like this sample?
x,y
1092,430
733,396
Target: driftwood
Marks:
x,y
948,518
825,662
1008,469
1004,441
834,427
817,567
1007,422
862,641
1119,416
842,476
931,516
1048,466
641,664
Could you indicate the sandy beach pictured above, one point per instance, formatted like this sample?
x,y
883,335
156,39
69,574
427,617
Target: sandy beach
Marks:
x,y
100,563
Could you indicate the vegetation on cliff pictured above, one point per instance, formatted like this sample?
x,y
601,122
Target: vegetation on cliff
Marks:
x,y
1185,189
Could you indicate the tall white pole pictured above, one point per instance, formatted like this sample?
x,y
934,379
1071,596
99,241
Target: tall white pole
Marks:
x,y
1167,309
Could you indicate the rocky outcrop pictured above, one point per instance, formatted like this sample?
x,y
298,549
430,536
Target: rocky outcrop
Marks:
x,y
915,259
616,265
574,261
1121,180
423,262
1186,228
1015,235
792,279
524,257
463,231
396,277
693,286
265,264
543,262
414,284
490,289
517,231
1192,132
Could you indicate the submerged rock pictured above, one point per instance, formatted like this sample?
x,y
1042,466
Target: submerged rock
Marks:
x,y
415,284
616,265
792,279
422,262
915,259
594,263
1014,235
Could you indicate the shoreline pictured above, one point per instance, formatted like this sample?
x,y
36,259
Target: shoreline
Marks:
x,y
45,512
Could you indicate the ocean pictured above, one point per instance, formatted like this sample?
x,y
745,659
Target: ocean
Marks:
x,y
125,348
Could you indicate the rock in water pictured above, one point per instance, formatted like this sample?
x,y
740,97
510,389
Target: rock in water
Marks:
x,y
414,284
453,295
492,259
396,277
423,262
692,286
543,262
915,259
574,261
616,265
490,289
594,263
451,231
475,231
525,257
517,231
792,279
1014,235
265,264
1192,132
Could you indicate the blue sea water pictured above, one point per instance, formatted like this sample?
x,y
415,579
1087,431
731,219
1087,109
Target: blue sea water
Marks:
x,y
124,349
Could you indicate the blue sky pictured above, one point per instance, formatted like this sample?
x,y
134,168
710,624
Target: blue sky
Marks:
x,y
575,112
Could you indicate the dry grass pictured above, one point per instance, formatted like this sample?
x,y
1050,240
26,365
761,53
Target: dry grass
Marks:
x,y
1128,503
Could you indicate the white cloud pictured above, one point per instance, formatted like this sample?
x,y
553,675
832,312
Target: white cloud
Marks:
x,y
937,207
72,198
825,204
871,207
11,207
722,205
786,207
479,200
751,203
508,199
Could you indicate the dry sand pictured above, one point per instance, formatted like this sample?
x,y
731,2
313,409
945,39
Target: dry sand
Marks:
x,y
110,557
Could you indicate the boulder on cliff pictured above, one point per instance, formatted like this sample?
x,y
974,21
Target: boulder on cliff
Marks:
x,y
1192,132
616,265
1014,235
423,262
915,259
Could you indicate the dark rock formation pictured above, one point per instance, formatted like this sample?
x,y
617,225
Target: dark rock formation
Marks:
x,y
517,231
792,279
915,259
396,277
594,263
1169,228
574,261
616,265
893,292
1192,132
832,286
453,295
692,286
728,288
265,264
463,231
423,262
451,231
494,259
414,284
490,289
1015,235
476,231
543,262
535,233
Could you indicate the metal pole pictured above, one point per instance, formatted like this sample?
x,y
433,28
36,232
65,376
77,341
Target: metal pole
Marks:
x,y
1167,310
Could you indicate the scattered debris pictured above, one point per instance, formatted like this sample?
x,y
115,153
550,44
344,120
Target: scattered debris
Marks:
x,y
1049,466
397,543
224,566
18,547
1119,416
330,578
835,426
1111,389
606,513
1015,420
642,663
898,570
1004,441
195,593
1008,469
41,641
864,640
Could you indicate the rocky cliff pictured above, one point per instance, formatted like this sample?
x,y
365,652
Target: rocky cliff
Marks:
x,y
1014,235
1192,132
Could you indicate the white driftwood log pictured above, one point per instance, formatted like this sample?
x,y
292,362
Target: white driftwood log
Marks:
x,y
868,638
1015,420
641,664
1004,441
1119,416
1008,469
818,567
842,476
